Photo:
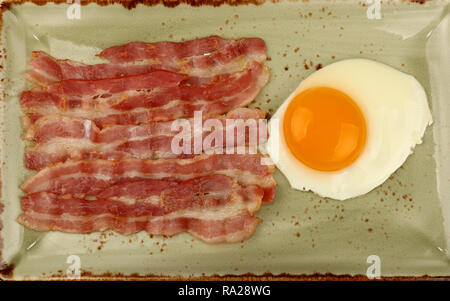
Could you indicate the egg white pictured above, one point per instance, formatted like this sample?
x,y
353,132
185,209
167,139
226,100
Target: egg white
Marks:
x,y
395,108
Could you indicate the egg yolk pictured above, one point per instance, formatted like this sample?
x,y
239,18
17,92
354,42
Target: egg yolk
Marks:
x,y
324,129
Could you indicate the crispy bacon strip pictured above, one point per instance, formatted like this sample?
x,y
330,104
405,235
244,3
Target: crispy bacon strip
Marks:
x,y
81,178
200,58
98,95
131,207
226,229
138,51
130,100
62,138
153,198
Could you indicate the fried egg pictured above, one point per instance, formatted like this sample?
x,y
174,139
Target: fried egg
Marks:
x,y
348,127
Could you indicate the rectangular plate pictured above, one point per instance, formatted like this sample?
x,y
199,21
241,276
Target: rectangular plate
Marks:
x,y
404,221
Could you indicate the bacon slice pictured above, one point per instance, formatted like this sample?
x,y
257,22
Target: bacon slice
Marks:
x,y
157,206
153,198
228,229
48,127
97,94
81,178
137,51
165,98
200,58
62,138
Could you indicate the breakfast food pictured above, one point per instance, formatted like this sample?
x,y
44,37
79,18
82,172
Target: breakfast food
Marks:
x,y
91,177
348,127
104,137
59,138
204,57
154,96
157,206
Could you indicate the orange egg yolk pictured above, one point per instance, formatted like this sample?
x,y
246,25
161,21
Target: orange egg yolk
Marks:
x,y
324,129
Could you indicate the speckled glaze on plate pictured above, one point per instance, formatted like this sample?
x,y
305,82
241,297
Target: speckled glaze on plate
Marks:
x,y
405,221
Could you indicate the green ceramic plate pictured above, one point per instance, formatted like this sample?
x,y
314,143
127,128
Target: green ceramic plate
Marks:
x,y
405,221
